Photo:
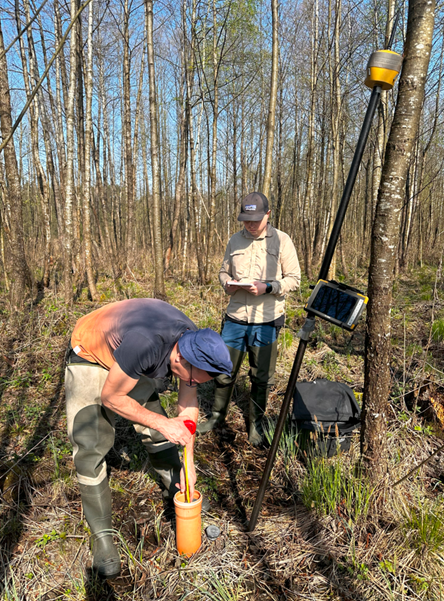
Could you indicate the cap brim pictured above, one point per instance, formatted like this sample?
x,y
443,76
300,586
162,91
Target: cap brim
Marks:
x,y
255,217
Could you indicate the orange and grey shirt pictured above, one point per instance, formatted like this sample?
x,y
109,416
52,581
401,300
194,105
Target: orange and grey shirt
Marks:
x,y
139,334
271,258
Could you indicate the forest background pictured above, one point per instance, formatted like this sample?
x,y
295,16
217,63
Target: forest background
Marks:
x,y
104,200
128,140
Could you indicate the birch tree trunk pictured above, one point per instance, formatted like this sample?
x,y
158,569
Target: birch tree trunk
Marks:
x,y
213,183
183,146
381,133
279,184
59,71
18,272
87,165
386,231
271,121
309,192
69,183
128,154
79,169
34,122
159,286
193,197
335,65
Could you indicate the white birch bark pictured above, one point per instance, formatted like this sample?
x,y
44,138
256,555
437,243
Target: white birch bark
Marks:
x,y
271,121
69,183
159,287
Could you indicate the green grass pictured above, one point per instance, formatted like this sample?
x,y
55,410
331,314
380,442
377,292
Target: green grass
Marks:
x,y
438,330
424,527
222,589
330,487
288,443
331,365
208,486
414,349
286,340
10,590
168,400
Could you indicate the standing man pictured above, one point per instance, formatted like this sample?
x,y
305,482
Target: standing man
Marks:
x,y
115,353
260,267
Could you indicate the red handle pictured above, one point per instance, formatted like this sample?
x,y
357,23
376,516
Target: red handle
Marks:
x,y
190,425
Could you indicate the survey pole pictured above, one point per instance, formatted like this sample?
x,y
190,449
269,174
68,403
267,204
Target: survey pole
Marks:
x,y
308,327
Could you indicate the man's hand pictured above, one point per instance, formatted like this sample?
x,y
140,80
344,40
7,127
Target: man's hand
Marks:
x,y
175,431
231,289
257,288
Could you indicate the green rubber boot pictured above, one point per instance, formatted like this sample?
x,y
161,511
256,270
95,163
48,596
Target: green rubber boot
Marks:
x,y
262,369
96,502
222,396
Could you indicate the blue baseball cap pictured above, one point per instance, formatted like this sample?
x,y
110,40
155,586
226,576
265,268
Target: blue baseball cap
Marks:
x,y
206,350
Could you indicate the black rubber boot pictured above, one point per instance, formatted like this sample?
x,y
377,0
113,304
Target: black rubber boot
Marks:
x,y
222,395
96,502
258,403
222,398
167,466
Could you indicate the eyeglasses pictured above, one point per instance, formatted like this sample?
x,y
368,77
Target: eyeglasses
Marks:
x,y
192,383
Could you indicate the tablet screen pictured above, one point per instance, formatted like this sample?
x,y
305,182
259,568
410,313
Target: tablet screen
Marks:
x,y
334,303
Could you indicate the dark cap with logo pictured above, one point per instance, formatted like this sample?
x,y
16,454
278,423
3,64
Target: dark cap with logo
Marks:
x,y
254,207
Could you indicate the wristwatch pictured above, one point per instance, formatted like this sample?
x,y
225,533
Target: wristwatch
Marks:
x,y
269,288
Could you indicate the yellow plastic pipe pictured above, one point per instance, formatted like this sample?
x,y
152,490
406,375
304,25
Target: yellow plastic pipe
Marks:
x,y
192,428
187,486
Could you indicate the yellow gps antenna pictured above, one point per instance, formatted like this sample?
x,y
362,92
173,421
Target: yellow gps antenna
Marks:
x,y
383,66
382,70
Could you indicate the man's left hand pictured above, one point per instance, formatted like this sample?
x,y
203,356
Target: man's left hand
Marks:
x,y
257,288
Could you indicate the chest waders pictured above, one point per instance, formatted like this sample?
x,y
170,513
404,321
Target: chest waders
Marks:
x,y
91,430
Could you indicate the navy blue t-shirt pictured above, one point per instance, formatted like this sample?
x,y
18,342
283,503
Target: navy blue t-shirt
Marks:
x,y
139,334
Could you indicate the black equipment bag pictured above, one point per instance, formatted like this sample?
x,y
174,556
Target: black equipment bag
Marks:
x,y
325,414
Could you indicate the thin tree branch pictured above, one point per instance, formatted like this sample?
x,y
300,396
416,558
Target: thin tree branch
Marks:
x,y
27,26
40,81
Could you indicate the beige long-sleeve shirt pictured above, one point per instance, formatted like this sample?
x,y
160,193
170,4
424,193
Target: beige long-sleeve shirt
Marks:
x,y
271,258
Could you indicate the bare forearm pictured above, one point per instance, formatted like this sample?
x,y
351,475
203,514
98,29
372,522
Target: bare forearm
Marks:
x,y
115,393
133,411
188,411
173,429
188,408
